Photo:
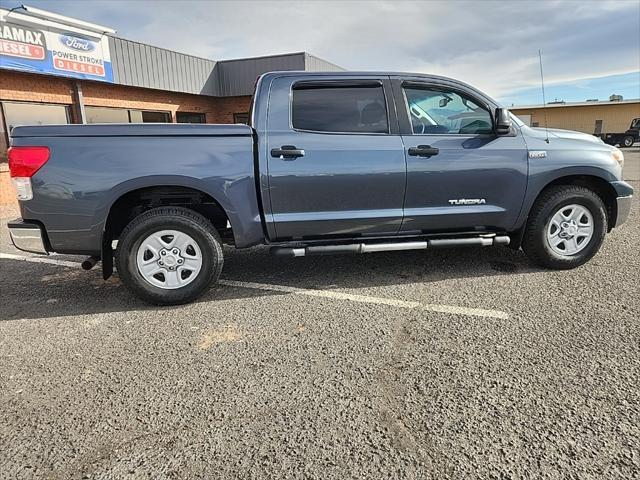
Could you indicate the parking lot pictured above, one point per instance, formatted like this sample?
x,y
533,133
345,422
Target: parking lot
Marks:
x,y
462,363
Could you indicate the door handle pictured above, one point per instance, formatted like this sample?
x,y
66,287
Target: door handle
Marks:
x,y
423,151
287,152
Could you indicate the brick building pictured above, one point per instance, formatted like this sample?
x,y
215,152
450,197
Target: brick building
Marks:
x,y
56,69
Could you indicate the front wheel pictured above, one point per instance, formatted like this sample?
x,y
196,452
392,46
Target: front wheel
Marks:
x,y
566,227
169,255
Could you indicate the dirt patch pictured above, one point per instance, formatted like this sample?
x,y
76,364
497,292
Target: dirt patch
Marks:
x,y
226,334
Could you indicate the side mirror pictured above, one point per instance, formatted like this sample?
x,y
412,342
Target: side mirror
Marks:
x,y
503,121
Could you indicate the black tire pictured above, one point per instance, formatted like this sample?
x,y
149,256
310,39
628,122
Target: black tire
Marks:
x,y
535,242
169,218
627,141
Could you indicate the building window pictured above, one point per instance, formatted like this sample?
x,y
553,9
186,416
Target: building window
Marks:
x,y
241,118
535,124
189,117
149,116
106,115
155,117
123,115
22,113
16,113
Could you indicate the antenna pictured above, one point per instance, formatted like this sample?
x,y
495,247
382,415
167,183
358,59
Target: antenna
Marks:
x,y
544,100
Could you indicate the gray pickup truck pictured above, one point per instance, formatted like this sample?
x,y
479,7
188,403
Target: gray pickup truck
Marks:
x,y
330,163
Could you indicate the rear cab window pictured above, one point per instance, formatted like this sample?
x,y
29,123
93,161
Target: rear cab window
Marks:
x,y
332,107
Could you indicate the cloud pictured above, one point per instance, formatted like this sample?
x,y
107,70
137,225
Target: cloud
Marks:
x,y
492,44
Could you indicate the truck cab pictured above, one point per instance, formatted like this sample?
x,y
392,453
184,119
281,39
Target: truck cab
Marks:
x,y
377,155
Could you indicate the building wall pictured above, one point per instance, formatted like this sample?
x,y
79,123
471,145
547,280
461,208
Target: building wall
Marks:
x,y
238,77
8,201
615,117
98,95
225,107
18,86
26,87
139,65
316,64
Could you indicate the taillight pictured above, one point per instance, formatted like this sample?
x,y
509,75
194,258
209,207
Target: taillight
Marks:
x,y
26,161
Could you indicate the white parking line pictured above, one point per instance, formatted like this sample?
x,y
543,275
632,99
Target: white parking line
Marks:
x,y
475,312
48,260
323,293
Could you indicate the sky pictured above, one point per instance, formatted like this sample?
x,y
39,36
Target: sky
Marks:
x,y
590,48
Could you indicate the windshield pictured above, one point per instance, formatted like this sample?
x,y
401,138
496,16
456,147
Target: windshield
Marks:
x,y
518,122
635,123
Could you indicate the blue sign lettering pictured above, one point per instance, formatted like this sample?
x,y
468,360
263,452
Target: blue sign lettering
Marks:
x,y
77,43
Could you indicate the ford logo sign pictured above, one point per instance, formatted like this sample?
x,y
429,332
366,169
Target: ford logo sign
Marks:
x,y
77,43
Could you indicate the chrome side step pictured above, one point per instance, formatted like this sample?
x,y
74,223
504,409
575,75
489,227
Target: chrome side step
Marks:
x,y
357,248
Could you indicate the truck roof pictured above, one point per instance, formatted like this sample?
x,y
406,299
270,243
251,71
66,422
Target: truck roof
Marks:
x,y
348,74
360,73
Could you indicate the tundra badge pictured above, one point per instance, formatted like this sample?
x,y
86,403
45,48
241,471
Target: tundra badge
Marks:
x,y
468,201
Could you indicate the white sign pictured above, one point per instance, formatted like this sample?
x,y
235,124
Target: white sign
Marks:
x,y
42,46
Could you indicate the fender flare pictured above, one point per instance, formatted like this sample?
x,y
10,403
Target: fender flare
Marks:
x,y
537,183
104,209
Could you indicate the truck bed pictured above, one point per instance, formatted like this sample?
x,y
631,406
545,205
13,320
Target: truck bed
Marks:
x,y
92,166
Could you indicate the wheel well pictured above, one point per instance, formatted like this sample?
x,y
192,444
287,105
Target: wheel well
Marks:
x,y
599,186
133,203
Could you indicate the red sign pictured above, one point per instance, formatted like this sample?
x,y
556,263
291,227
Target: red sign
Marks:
x,y
79,67
22,50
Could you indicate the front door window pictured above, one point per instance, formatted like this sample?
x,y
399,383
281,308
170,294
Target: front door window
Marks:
x,y
435,111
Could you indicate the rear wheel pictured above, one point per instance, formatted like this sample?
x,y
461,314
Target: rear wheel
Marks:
x,y
566,227
627,141
169,255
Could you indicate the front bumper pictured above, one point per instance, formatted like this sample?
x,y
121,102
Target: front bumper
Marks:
x,y
623,200
624,207
27,237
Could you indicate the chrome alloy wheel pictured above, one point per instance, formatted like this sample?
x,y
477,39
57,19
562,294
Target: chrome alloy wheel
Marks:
x,y
570,230
169,259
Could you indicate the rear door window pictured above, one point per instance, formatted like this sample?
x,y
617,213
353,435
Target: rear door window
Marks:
x,y
340,109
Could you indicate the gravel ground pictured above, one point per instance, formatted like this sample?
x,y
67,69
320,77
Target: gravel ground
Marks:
x,y
251,383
